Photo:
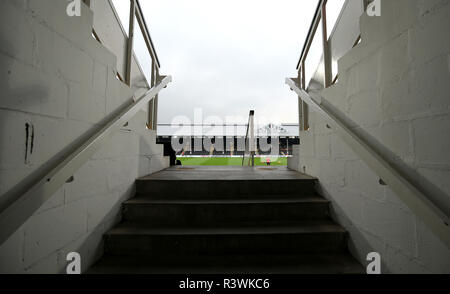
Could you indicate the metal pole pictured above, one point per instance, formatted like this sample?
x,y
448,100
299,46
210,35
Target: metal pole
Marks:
x,y
300,103
251,131
151,104
130,42
328,71
155,100
305,117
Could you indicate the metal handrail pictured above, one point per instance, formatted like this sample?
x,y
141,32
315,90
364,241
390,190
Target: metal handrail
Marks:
x,y
14,215
437,220
23,208
250,140
146,33
136,12
320,17
312,31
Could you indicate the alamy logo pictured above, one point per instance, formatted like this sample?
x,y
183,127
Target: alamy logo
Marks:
x,y
74,266
74,8
374,266
374,8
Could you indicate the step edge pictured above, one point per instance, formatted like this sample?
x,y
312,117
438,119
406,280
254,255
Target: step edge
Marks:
x,y
139,229
148,201
143,180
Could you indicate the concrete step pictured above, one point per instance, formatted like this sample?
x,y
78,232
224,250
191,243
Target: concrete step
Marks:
x,y
244,238
339,263
206,182
208,188
226,220
221,211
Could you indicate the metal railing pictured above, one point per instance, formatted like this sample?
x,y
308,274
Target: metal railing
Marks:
x,y
16,214
136,12
437,220
320,19
136,16
248,158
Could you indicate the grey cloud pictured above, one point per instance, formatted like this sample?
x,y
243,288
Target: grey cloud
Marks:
x,y
228,57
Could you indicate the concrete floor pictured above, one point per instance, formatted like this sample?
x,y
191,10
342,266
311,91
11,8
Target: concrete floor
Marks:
x,y
227,173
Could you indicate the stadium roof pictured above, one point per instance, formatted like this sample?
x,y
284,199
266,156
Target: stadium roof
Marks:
x,y
239,130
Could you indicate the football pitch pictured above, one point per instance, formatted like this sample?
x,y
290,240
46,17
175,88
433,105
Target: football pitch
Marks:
x,y
228,161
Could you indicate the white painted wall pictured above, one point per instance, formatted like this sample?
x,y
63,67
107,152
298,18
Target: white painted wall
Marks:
x,y
57,78
394,87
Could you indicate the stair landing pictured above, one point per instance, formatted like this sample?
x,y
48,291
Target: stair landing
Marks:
x,y
229,173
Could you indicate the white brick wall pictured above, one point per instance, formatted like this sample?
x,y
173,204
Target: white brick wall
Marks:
x,y
395,87
57,78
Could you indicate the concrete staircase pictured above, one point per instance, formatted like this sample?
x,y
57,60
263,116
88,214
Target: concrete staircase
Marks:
x,y
226,220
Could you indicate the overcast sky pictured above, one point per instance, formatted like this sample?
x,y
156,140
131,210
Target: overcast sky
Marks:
x,y
227,57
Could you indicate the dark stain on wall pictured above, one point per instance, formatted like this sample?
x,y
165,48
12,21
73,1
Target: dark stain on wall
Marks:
x,y
29,142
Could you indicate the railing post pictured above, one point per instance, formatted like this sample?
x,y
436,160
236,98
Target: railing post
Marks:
x,y
252,143
130,42
328,70
151,106
305,111
300,105
155,101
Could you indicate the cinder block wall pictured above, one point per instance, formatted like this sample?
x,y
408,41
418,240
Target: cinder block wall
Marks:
x,y
394,87
58,86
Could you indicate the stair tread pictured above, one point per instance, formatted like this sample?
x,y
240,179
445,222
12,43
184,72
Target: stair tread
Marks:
x,y
227,173
329,263
299,227
226,220
147,201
